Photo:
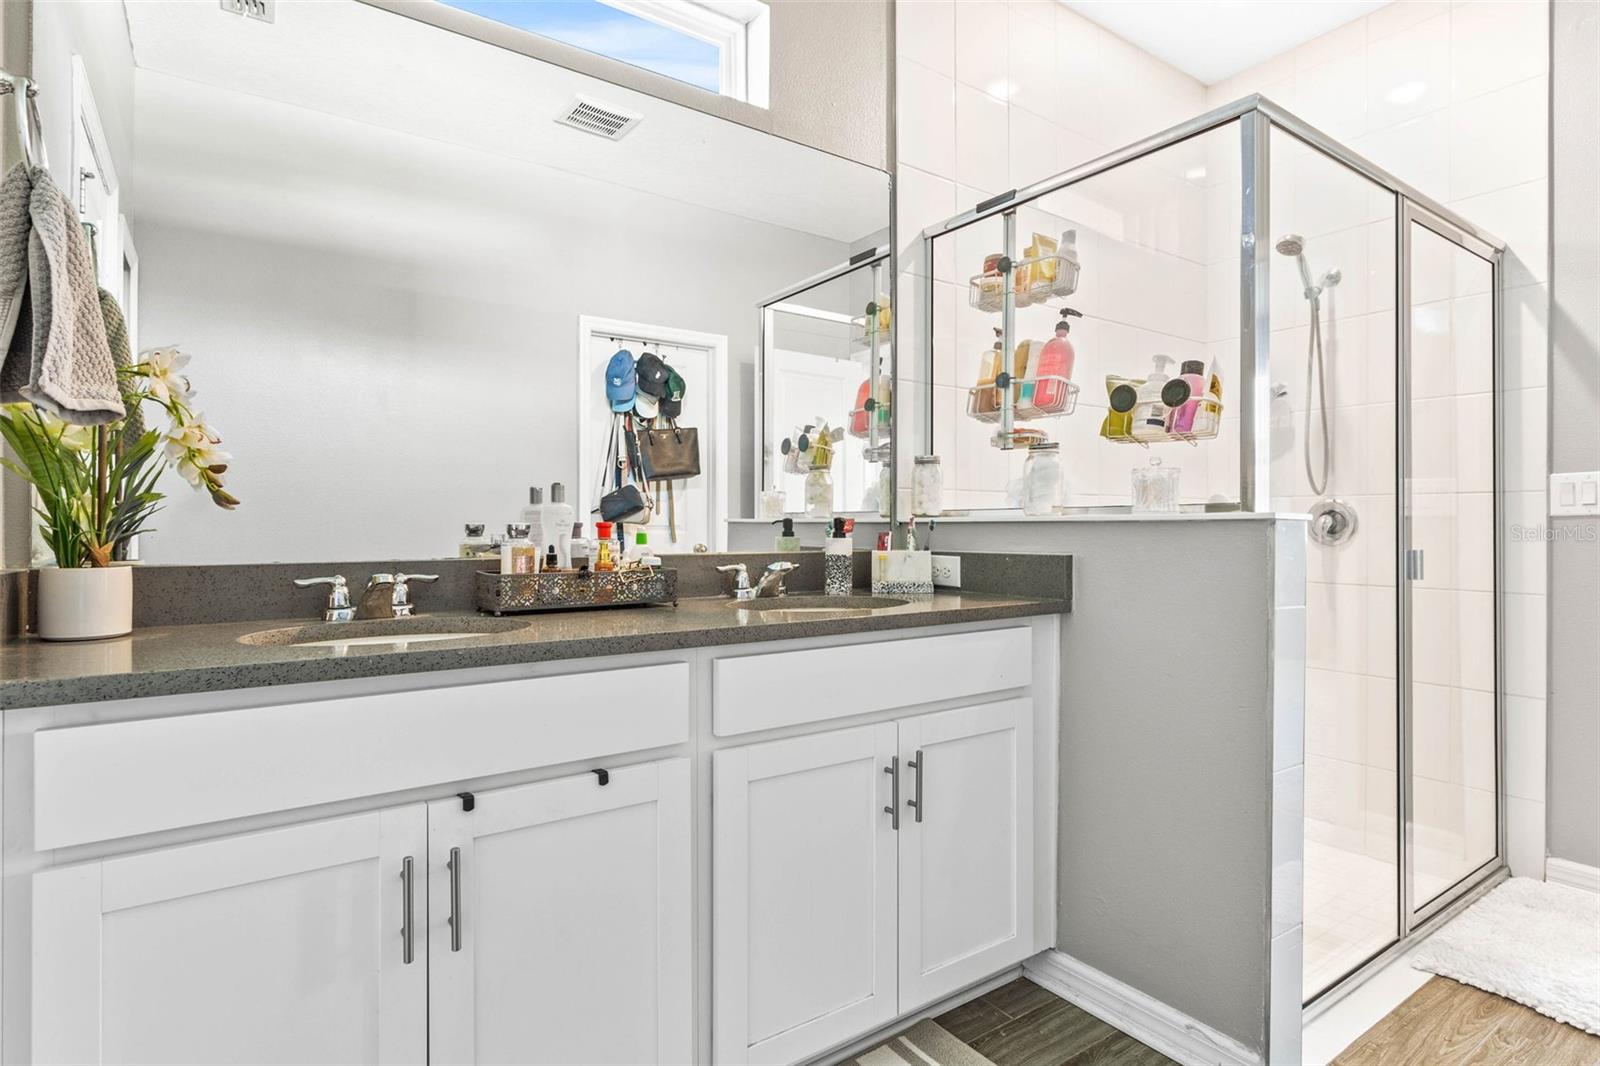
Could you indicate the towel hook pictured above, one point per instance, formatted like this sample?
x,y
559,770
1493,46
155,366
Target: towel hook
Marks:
x,y
30,130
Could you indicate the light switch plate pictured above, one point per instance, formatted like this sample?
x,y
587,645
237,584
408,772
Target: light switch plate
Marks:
x,y
947,571
1575,494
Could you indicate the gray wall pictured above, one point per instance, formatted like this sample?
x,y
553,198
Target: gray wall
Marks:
x,y
1574,722
1165,871
829,83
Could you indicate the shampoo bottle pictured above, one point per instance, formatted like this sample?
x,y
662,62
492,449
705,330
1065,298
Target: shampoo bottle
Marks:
x,y
1056,361
1150,414
558,525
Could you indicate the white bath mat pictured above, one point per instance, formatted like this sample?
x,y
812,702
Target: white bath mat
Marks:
x,y
1530,941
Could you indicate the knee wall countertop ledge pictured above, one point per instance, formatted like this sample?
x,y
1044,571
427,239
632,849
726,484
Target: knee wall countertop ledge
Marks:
x,y
171,660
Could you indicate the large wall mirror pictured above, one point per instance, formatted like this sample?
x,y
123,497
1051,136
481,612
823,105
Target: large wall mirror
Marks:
x,y
400,272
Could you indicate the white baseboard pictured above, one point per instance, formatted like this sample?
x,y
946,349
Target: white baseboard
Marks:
x,y
1146,1019
1576,874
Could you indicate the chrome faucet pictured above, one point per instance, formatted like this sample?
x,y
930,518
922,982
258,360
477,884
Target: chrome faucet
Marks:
x,y
771,583
768,586
389,595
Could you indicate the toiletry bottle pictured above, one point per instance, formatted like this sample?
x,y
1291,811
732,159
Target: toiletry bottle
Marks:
x,y
603,559
645,557
580,554
1150,414
788,540
988,398
551,563
837,555
1056,361
533,515
558,525
474,544
1186,401
517,553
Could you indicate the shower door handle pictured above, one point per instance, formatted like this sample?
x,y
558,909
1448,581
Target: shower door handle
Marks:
x,y
1414,564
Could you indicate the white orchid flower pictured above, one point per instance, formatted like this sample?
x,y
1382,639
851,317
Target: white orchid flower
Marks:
x,y
162,369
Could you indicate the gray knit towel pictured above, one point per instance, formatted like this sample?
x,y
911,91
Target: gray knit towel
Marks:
x,y
52,329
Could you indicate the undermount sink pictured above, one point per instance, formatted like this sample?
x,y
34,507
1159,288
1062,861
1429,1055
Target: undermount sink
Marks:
x,y
391,632
819,605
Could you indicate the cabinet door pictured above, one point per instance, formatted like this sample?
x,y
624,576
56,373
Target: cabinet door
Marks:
x,y
560,920
803,894
285,946
966,847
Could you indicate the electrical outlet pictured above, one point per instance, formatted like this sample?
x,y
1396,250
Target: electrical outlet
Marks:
x,y
947,571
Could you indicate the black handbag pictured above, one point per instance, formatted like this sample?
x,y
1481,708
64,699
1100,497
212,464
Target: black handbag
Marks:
x,y
669,453
625,501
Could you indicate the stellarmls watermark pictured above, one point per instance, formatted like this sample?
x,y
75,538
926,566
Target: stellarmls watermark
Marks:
x,y
1575,532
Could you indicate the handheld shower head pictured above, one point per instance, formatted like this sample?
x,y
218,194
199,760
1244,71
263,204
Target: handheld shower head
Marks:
x,y
1294,245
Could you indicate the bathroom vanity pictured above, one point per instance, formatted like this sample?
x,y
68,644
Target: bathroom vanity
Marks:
x,y
744,839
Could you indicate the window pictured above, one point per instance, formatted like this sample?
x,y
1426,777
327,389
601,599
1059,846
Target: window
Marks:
x,y
716,45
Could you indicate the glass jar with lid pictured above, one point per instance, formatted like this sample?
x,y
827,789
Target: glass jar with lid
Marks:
x,y
1041,479
927,486
1155,488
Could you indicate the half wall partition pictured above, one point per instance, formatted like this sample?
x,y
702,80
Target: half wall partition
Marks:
x,y
1337,335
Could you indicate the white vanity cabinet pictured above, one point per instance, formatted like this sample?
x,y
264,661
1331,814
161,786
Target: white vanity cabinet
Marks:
x,y
550,924
281,946
560,919
862,873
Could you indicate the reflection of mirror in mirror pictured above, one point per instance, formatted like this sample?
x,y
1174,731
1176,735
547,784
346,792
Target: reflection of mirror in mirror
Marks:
x,y
826,369
397,276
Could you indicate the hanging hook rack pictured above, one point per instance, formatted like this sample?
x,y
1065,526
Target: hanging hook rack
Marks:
x,y
29,130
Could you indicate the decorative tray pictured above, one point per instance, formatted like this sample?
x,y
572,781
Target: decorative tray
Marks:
x,y
568,590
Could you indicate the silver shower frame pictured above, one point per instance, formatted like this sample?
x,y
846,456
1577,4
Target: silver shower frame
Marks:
x,y
1257,116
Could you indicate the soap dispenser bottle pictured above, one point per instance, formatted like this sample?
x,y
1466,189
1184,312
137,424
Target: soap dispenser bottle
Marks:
x,y
788,540
837,555
1150,413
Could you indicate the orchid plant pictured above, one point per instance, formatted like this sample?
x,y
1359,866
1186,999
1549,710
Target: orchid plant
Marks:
x,y
97,485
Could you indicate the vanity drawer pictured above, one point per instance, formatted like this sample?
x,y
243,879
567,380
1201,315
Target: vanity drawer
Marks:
x,y
102,782
755,692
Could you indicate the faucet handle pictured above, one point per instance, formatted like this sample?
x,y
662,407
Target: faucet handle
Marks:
x,y
741,576
338,608
338,593
400,597
782,566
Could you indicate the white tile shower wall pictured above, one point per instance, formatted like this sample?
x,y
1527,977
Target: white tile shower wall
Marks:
x,y
994,96
1451,98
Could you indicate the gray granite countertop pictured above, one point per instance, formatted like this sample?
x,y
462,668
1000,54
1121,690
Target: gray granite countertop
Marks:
x,y
167,660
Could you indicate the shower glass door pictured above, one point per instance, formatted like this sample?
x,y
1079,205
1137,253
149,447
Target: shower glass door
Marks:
x,y
1450,748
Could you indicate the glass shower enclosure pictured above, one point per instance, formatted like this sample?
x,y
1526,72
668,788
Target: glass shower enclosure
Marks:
x,y
1248,303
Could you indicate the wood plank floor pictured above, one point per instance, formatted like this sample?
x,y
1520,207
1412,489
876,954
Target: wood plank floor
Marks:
x,y
1445,1023
1021,1024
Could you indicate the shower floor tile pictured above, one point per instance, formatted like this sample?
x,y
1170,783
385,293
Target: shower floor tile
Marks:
x,y
1350,905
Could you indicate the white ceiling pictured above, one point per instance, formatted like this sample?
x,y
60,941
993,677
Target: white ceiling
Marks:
x,y
1211,40
360,62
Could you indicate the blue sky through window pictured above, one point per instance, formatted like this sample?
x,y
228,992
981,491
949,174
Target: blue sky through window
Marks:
x,y
599,28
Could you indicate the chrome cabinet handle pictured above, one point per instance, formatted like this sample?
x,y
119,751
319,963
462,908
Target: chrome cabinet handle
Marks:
x,y
916,803
454,866
893,810
408,932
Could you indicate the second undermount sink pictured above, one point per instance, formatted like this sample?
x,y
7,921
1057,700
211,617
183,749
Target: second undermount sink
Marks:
x,y
386,632
817,605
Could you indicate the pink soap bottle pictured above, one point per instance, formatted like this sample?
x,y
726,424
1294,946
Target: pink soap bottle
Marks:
x,y
1055,362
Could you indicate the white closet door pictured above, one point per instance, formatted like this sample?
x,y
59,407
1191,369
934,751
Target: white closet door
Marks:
x,y
566,937
284,946
966,849
803,895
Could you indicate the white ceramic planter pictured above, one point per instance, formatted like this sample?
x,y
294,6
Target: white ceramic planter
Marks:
x,y
86,603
